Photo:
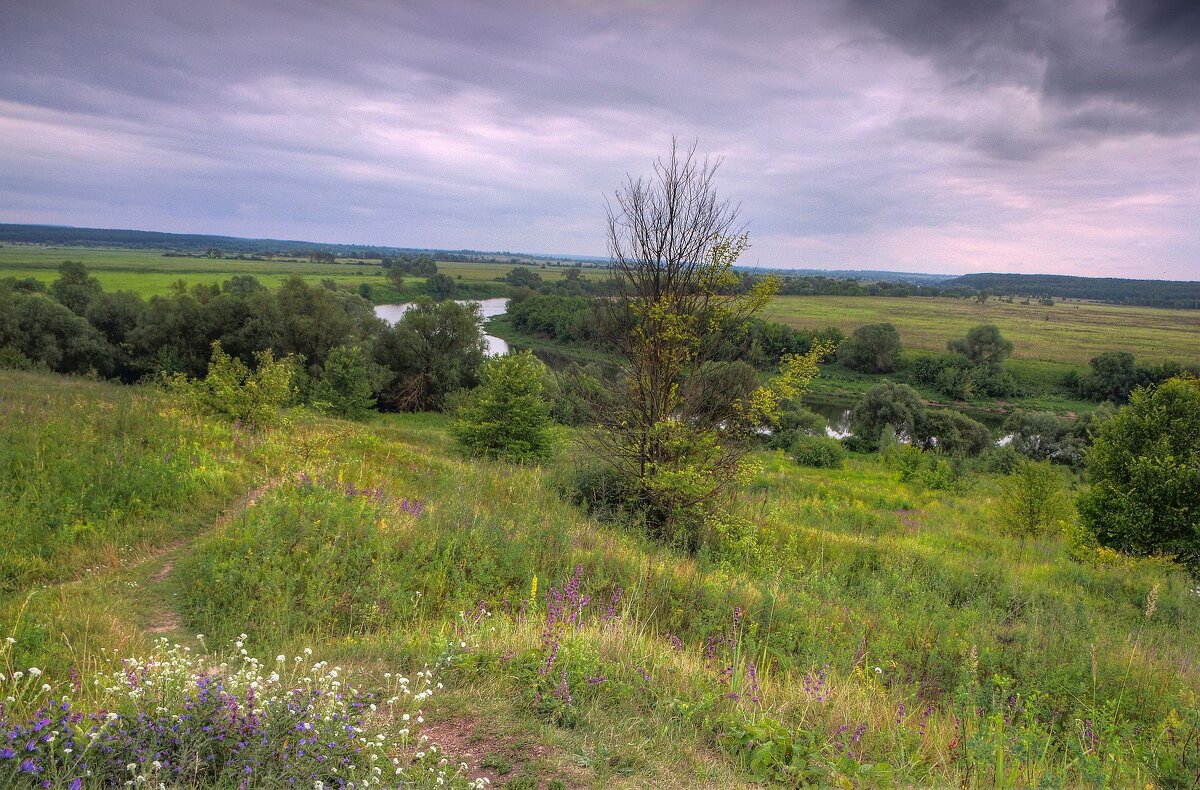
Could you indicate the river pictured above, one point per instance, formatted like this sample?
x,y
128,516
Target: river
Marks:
x,y
490,308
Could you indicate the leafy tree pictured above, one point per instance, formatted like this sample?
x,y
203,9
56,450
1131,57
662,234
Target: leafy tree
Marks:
x,y
1144,470
507,416
523,278
75,288
673,245
886,404
46,332
952,432
434,349
1114,376
346,384
874,348
440,287
1036,435
1031,499
983,345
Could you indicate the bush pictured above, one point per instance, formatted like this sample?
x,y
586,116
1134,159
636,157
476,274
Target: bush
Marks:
x,y
1031,499
231,389
344,389
507,417
820,452
1145,473
874,348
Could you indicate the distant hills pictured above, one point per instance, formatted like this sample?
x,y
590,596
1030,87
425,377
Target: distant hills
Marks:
x,y
1154,293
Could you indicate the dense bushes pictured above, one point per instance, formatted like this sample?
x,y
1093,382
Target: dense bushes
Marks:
x,y
821,452
1144,470
1115,375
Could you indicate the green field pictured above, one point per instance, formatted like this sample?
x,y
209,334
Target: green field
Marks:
x,y
865,632
1069,332
149,272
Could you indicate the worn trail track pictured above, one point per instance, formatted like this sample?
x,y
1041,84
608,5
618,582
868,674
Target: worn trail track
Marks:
x,y
163,618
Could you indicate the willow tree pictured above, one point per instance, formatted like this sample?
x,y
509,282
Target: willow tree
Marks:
x,y
673,322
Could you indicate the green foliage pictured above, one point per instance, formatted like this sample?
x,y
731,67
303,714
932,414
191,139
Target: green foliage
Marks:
x,y
523,277
346,384
75,288
951,432
874,348
233,390
1144,470
1031,500
439,287
44,332
819,452
507,416
983,345
1113,377
433,350
886,404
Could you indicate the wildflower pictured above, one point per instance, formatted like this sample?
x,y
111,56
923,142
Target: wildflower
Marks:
x,y
1152,601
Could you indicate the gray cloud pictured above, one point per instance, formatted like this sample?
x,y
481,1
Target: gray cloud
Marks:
x,y
947,135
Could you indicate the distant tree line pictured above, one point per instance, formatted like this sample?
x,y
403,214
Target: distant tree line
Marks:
x,y
1149,293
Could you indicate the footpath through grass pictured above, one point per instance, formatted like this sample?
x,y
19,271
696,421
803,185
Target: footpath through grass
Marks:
x,y
850,630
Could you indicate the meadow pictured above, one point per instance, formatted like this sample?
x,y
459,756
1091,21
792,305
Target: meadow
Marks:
x,y
1067,333
852,630
149,272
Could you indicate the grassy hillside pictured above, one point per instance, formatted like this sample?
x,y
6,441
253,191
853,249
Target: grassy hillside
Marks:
x,y
850,629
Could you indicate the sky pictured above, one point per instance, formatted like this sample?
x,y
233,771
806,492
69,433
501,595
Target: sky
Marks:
x,y
948,136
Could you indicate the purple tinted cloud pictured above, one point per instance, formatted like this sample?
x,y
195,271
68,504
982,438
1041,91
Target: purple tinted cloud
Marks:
x,y
936,135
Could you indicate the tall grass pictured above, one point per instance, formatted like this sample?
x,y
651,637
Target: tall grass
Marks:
x,y
864,631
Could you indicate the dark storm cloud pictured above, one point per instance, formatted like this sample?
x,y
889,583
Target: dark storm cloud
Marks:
x,y
912,134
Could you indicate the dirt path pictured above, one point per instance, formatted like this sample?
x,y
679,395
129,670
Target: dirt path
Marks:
x,y
163,618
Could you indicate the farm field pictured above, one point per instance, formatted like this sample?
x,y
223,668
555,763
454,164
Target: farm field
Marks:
x,y
149,272
1069,332
884,633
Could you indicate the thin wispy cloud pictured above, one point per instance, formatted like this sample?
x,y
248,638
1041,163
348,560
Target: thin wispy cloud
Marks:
x,y
929,135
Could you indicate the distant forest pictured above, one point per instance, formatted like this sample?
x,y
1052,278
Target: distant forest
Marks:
x,y
1148,293
200,244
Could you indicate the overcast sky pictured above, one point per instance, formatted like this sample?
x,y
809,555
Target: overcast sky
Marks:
x,y
920,135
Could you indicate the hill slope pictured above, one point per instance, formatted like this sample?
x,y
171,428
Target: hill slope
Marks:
x,y
845,627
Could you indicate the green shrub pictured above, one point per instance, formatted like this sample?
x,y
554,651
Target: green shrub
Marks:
x,y
821,452
344,389
233,390
507,417
1031,499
